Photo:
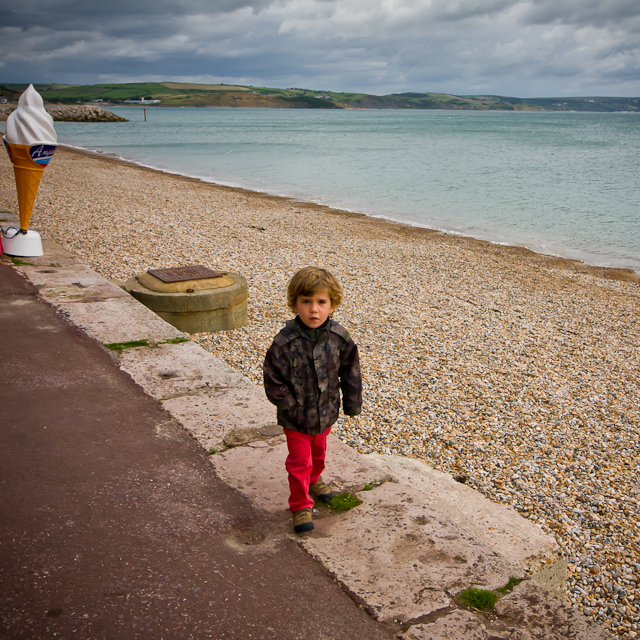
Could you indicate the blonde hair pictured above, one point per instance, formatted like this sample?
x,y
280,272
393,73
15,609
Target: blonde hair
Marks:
x,y
311,279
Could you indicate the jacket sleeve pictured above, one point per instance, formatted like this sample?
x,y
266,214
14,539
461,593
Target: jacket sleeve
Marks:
x,y
276,373
351,379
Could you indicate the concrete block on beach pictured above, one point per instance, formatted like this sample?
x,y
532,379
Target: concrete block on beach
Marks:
x,y
219,308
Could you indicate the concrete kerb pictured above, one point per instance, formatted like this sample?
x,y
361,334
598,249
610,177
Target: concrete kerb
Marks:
x,y
209,398
103,310
417,539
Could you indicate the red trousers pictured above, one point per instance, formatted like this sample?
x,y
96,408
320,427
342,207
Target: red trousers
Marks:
x,y
304,465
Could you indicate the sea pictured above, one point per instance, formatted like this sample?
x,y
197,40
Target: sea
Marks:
x,y
565,184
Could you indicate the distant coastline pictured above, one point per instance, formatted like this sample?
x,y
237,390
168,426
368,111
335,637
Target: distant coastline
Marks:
x,y
174,94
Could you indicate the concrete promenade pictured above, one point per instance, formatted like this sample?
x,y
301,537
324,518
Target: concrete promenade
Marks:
x,y
119,521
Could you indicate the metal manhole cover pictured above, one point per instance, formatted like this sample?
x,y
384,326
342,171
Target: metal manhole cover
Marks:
x,y
179,274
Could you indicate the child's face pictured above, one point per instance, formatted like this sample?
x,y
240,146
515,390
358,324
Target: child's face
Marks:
x,y
314,309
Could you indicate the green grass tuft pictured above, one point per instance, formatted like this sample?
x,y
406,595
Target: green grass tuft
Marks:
x,y
20,263
513,582
343,502
480,599
119,346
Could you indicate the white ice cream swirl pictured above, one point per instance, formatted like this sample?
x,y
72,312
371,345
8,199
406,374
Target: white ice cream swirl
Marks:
x,y
30,123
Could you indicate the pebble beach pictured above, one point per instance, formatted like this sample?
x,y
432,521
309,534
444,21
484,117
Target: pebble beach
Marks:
x,y
515,372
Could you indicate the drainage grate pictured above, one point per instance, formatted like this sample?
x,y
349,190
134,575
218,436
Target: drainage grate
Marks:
x,y
179,274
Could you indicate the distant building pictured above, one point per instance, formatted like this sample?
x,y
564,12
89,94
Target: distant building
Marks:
x,y
142,101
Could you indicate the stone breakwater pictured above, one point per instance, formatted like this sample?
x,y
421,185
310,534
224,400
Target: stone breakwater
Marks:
x,y
517,373
83,113
74,113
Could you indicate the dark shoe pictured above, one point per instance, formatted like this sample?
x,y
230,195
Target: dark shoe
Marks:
x,y
302,521
320,491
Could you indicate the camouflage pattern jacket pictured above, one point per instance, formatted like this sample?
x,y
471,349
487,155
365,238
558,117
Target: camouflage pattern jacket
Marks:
x,y
304,372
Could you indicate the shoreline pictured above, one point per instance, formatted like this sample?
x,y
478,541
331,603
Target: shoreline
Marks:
x,y
629,264
515,372
615,273
619,256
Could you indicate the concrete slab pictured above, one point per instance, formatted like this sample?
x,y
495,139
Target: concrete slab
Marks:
x,y
258,471
185,368
410,544
210,416
403,557
106,312
406,548
54,255
458,624
117,320
71,283
207,396
347,470
502,529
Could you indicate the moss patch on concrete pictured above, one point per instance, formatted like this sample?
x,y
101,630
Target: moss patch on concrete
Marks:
x,y
480,599
120,346
343,502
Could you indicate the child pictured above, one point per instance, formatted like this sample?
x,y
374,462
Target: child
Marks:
x,y
308,363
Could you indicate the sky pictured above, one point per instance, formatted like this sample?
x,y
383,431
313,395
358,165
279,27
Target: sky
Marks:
x,y
521,48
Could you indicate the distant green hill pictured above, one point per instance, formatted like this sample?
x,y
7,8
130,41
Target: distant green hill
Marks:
x,y
176,94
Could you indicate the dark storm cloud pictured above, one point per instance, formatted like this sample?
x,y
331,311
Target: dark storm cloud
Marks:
x,y
512,47
596,13
143,21
90,15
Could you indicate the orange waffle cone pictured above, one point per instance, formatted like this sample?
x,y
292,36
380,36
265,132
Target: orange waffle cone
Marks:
x,y
27,183
28,173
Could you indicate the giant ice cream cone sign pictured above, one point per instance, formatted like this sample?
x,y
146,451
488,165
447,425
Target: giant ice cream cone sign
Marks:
x,y
29,161
30,140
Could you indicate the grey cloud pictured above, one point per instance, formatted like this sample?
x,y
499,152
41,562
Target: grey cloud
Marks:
x,y
597,13
464,9
70,15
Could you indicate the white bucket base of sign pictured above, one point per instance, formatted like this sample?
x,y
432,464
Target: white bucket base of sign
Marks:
x,y
24,245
